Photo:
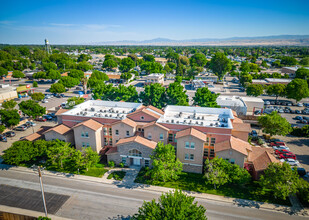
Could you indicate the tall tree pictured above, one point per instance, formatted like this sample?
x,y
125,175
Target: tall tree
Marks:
x,y
31,108
277,90
165,165
109,64
302,73
171,205
10,117
215,173
297,89
78,74
149,58
204,98
91,157
126,64
84,66
38,96
305,61
9,105
57,88
53,74
280,180
274,124
220,64
254,90
18,74
198,59
176,95
58,151
288,61
154,94
68,81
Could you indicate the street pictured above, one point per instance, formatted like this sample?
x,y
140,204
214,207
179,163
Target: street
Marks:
x,y
90,200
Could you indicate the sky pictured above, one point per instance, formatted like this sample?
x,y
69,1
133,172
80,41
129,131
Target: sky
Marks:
x,y
90,21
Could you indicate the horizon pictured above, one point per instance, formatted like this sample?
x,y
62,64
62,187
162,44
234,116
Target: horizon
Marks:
x,y
82,23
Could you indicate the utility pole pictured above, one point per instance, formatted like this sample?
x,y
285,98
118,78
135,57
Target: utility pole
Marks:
x,y
42,190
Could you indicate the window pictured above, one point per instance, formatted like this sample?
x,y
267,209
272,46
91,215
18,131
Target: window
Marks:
x,y
192,145
191,156
212,153
82,134
146,163
83,144
110,132
187,145
110,141
105,131
139,129
117,132
232,161
175,140
170,137
207,141
88,145
161,137
128,133
212,142
124,160
206,152
105,142
186,156
149,136
135,153
86,134
142,117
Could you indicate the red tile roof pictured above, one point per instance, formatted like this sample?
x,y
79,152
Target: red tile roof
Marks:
x,y
193,132
138,139
60,129
262,160
127,121
60,111
92,124
235,144
245,127
112,150
154,123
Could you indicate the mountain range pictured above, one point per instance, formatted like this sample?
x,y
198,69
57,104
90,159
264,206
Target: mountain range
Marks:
x,y
278,40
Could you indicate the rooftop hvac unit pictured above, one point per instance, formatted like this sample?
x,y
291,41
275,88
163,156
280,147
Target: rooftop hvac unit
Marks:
x,y
184,120
101,110
86,109
106,115
104,110
77,113
85,113
167,121
177,122
99,115
172,120
217,123
92,109
110,115
222,125
196,122
117,111
95,114
202,117
118,114
189,116
211,124
123,111
81,113
198,118
202,123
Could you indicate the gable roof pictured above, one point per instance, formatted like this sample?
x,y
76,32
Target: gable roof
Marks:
x,y
138,139
149,111
127,121
234,144
257,151
60,111
193,132
156,109
263,160
60,129
244,127
111,150
155,124
92,124
33,137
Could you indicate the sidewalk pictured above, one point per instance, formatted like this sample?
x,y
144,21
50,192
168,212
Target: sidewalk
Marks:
x,y
131,173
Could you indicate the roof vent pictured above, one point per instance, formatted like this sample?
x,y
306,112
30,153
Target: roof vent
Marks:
x,y
77,113
189,116
86,109
92,109
177,122
104,110
81,113
110,115
167,121
198,118
101,110
202,117
85,113
99,115
172,120
196,122
106,115
95,114
123,111
117,111
202,123
211,124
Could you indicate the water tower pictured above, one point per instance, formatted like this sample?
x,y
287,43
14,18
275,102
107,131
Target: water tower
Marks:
x,y
47,47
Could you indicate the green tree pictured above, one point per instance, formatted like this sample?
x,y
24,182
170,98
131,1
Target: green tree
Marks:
x,y
171,205
204,98
57,88
38,96
274,124
18,74
2,128
49,66
176,95
276,64
39,75
245,78
154,94
68,81
297,89
3,71
215,173
126,76
53,74
304,61
78,74
75,101
149,58
9,105
84,66
19,152
254,90
91,157
302,73
165,164
198,59
109,64
151,67
31,108
280,180
126,64
10,117
220,64
35,84
83,57
185,60
277,90
288,61
58,151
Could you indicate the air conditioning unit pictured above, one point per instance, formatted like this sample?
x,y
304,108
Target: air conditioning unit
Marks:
x,y
177,122
198,118
92,109
172,120
167,121
211,124
202,117
101,110
123,111
202,123
106,115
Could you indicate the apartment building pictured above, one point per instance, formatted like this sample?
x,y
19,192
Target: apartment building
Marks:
x,y
155,78
129,132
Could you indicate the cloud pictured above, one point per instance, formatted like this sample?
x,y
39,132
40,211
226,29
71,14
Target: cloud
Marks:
x,y
6,22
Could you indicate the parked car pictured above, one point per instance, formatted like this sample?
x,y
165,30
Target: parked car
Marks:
x,y
281,148
298,112
301,171
290,161
277,143
300,104
20,128
41,119
30,123
282,151
44,101
253,133
275,140
280,111
272,102
287,155
289,104
9,134
3,138
258,112
267,102
299,117
286,111
48,117
52,114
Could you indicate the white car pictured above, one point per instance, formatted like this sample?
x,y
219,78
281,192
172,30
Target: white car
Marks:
x,y
32,124
267,103
44,101
300,104
281,148
291,161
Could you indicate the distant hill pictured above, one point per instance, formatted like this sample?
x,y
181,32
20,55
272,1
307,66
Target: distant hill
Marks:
x,y
280,40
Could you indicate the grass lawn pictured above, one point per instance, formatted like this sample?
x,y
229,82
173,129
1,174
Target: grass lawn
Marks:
x,y
196,182
117,175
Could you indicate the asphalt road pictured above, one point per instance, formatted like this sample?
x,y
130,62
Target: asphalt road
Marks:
x,y
89,200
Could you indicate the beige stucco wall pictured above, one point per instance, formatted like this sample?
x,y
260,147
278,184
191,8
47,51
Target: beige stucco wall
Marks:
x,y
197,152
52,135
155,132
8,95
232,154
94,138
122,128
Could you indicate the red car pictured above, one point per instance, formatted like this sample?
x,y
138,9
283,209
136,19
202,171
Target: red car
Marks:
x,y
282,151
277,143
287,156
41,119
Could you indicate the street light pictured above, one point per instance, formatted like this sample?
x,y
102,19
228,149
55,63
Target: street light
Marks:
x,y
42,190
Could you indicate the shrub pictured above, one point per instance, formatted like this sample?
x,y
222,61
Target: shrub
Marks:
x,y
301,132
303,193
121,165
111,164
35,84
